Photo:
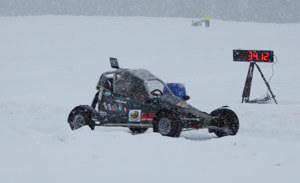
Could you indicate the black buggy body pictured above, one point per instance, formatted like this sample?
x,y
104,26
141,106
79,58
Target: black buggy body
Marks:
x,y
137,99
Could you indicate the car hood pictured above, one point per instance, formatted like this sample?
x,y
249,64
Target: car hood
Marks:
x,y
172,102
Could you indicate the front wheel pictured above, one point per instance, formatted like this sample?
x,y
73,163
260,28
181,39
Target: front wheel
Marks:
x,y
81,116
226,121
168,126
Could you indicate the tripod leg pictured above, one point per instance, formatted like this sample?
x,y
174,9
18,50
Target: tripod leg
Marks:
x,y
267,84
248,83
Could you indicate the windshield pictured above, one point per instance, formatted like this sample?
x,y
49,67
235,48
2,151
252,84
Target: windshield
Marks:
x,y
156,88
128,85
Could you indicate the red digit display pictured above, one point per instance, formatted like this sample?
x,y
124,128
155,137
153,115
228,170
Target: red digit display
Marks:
x,y
253,55
266,57
250,56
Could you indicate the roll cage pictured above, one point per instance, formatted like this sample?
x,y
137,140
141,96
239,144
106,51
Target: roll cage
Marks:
x,y
129,82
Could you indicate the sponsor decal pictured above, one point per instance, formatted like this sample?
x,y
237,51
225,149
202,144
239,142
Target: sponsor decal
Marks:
x,y
109,107
120,107
105,105
148,116
103,113
107,94
120,101
182,104
134,115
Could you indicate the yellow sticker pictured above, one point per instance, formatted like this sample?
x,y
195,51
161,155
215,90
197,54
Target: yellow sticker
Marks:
x,y
182,104
134,114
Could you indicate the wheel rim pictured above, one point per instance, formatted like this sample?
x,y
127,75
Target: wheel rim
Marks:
x,y
164,126
78,121
230,122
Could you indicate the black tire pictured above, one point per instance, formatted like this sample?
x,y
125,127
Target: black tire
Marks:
x,y
227,120
168,125
155,127
137,130
81,116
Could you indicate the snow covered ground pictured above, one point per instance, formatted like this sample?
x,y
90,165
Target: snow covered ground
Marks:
x,y
50,64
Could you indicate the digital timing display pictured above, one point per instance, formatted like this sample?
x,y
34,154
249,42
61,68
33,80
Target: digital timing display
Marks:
x,y
253,55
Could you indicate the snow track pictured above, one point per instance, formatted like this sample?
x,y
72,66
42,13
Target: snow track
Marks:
x,y
50,64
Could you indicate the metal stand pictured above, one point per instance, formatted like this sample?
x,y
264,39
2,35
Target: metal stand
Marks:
x,y
248,83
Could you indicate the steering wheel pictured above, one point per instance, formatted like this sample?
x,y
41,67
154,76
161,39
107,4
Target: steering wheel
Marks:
x,y
160,93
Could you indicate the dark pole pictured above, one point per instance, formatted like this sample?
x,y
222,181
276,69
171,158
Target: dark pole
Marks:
x,y
248,83
268,86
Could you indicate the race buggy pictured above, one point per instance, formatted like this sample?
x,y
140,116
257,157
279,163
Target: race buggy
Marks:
x,y
137,99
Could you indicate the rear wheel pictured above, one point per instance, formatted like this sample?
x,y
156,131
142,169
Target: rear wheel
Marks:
x,y
227,122
169,126
137,130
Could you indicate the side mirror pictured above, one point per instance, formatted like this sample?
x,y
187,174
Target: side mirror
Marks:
x,y
186,97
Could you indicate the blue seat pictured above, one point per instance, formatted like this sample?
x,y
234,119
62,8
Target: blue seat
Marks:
x,y
178,89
